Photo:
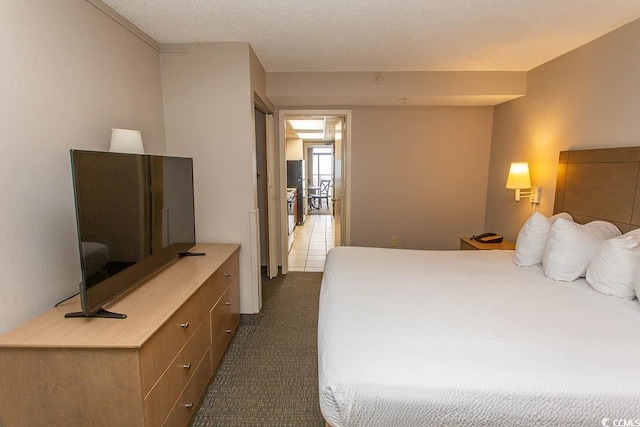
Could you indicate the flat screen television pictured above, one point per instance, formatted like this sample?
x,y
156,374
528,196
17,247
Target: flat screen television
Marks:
x,y
135,214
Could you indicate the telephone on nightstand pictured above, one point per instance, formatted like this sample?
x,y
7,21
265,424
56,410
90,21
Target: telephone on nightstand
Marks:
x,y
488,238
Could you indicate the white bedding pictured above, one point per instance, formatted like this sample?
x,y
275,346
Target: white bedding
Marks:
x,y
467,338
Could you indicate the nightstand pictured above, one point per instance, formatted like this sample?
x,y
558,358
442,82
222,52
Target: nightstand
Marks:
x,y
466,243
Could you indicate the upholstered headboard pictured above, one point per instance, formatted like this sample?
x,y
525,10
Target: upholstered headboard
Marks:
x,y
600,184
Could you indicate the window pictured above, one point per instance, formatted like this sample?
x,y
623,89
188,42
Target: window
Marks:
x,y
322,164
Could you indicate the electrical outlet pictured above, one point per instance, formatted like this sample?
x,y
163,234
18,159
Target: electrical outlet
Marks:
x,y
394,241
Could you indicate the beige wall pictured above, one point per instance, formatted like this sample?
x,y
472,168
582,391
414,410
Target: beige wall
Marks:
x,y
208,105
418,173
294,149
69,74
588,98
258,80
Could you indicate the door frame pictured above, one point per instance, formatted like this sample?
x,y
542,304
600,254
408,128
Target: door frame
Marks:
x,y
282,190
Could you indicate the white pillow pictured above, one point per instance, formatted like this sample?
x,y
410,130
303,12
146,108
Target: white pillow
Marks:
x,y
532,238
612,269
570,247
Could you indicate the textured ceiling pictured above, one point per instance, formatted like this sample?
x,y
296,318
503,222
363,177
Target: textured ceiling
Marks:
x,y
386,35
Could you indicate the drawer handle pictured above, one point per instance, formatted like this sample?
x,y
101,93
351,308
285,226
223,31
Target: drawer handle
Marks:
x,y
227,274
184,325
229,331
187,366
227,303
187,405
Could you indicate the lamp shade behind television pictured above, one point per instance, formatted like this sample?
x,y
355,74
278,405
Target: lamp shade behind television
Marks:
x,y
134,214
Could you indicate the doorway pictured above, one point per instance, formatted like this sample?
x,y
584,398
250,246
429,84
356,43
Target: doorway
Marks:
x,y
264,218
318,140
320,167
315,236
261,186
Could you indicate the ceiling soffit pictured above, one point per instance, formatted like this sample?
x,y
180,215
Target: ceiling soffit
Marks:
x,y
395,89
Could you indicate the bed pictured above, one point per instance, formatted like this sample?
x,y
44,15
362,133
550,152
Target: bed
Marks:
x,y
468,338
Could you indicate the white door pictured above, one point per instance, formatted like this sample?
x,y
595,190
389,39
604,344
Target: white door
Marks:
x,y
272,197
260,121
338,182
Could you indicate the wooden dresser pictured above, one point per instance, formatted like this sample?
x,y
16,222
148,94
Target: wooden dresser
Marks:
x,y
150,369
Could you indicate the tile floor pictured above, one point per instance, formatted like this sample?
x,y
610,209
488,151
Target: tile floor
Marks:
x,y
312,242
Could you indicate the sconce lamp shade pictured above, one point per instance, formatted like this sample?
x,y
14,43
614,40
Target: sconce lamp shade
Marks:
x,y
519,177
126,141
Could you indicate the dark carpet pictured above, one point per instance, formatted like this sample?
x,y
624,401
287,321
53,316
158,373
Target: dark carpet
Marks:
x,y
269,376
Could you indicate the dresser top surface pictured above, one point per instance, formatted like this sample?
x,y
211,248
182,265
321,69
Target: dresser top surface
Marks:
x,y
147,306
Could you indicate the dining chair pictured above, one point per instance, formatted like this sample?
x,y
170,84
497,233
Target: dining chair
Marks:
x,y
323,193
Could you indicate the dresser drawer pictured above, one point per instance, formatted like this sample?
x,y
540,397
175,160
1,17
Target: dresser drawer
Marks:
x,y
230,268
234,297
188,401
223,277
226,304
223,338
216,287
163,395
165,344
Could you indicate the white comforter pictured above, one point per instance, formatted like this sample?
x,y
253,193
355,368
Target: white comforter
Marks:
x,y
467,338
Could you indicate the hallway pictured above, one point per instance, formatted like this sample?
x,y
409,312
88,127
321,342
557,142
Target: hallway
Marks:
x,y
312,242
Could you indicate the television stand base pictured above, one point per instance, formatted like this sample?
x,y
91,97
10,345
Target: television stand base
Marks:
x,y
100,313
182,254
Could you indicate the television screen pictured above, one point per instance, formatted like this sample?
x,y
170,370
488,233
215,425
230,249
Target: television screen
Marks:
x,y
135,214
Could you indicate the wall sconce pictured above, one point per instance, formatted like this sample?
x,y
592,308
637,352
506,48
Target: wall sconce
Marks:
x,y
519,180
126,141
